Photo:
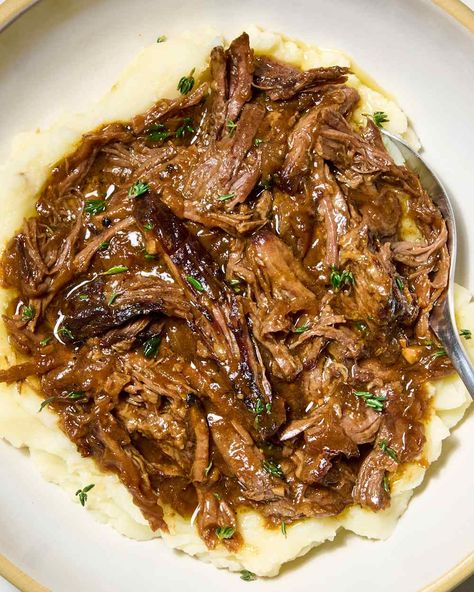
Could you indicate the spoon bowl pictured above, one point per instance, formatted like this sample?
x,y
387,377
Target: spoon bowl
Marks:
x,y
442,318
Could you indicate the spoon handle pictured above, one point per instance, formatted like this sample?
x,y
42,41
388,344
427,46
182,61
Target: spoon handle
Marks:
x,y
445,328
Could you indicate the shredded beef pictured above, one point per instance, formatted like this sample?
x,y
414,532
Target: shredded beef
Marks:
x,y
219,302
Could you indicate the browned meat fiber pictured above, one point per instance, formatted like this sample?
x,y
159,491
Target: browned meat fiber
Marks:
x,y
220,306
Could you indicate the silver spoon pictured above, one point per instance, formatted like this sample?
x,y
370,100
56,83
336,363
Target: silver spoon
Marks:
x,y
442,319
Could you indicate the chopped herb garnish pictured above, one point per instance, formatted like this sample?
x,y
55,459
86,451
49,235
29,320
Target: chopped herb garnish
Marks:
x,y
466,333
149,256
283,528
385,448
266,183
247,576
259,407
75,395
235,285
208,468
399,282
185,127
257,141
217,495
226,196
138,188
196,284
380,117
186,83
65,332
361,326
103,246
159,133
82,493
115,269
83,297
386,484
339,279
94,206
231,126
371,400
268,408
28,313
150,346
225,532
439,354
148,226
113,298
46,402
301,329
273,468
161,39
46,340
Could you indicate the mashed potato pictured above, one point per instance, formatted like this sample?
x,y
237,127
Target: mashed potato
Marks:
x,y
154,75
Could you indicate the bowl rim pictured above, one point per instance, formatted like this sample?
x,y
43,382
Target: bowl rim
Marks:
x,y
10,11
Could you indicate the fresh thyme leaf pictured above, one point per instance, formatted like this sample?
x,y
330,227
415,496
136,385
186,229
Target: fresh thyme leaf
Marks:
x,y
148,226
217,495
380,117
185,127
150,346
231,126
103,246
28,313
235,285
226,196
208,469
399,282
159,133
186,83
113,298
75,395
273,468
138,188
45,341
65,332
339,279
283,528
94,206
225,532
161,39
268,408
115,269
439,354
301,329
361,326
386,484
46,402
371,400
466,333
82,493
196,284
259,407
247,576
83,297
266,183
149,256
257,141
385,448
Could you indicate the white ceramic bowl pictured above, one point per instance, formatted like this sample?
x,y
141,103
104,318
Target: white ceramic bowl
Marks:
x,y
62,55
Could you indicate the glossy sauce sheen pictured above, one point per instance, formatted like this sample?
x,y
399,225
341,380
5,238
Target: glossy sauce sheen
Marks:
x,y
251,329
